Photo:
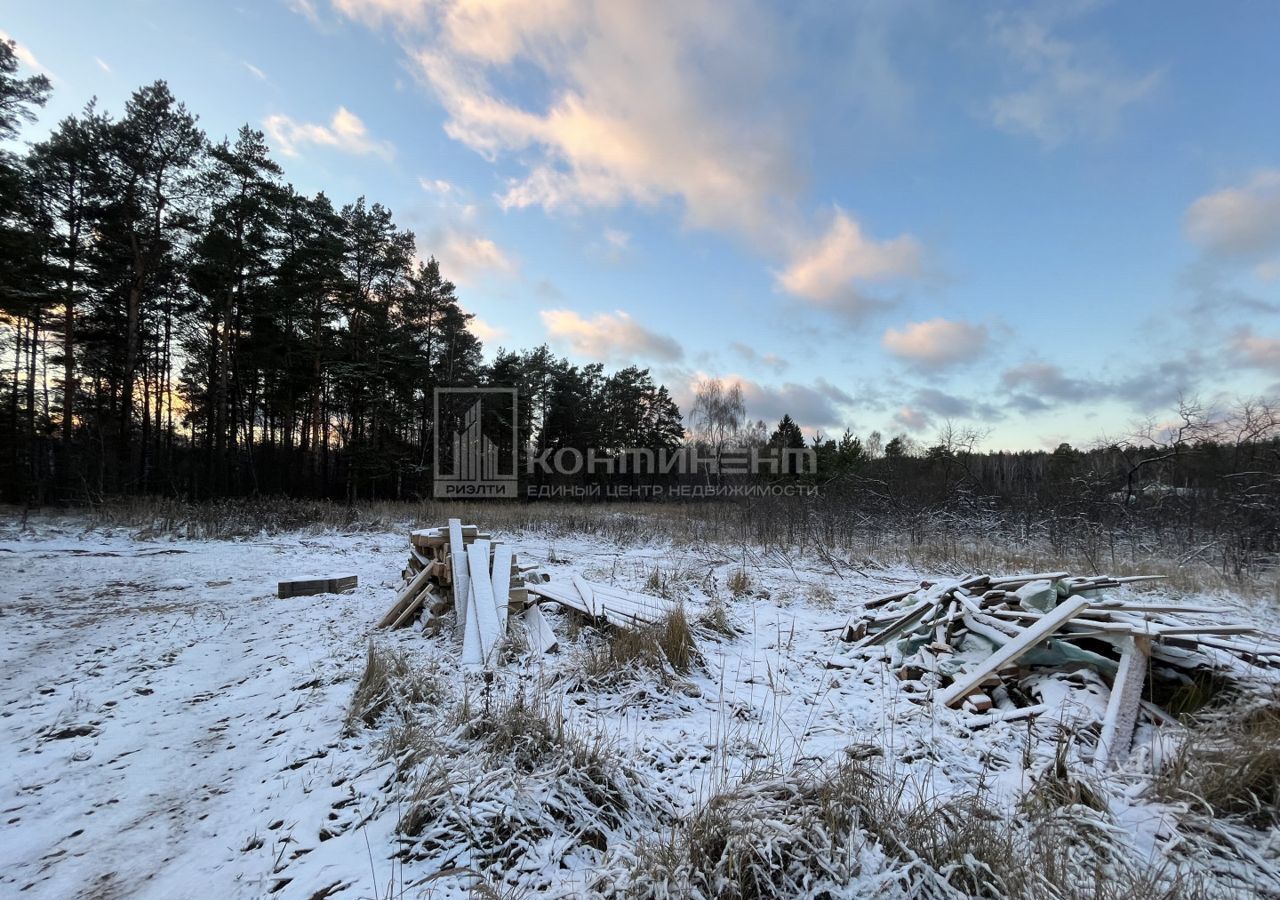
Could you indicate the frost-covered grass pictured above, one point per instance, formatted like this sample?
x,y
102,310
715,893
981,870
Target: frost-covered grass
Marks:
x,y
171,723
839,534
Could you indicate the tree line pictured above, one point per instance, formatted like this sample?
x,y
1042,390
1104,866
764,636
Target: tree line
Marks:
x,y
180,320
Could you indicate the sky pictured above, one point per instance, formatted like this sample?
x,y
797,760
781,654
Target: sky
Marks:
x,y
1045,222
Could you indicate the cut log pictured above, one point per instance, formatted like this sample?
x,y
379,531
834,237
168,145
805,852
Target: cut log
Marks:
x,y
309,586
967,682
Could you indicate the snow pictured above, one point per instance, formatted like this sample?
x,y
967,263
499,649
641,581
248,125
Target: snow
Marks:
x,y
171,728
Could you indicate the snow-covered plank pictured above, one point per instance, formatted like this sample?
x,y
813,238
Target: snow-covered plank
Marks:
x,y
541,638
485,610
912,617
405,597
458,553
412,608
1125,702
1006,715
588,595
1042,628
501,583
472,653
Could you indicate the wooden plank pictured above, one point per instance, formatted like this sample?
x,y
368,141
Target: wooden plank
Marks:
x,y
967,682
485,609
901,624
411,609
1006,715
1124,704
588,595
501,584
305,587
406,595
457,551
541,638
472,654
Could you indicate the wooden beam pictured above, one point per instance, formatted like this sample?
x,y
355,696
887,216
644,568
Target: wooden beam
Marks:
x,y
501,584
457,551
1125,702
485,609
968,682
309,586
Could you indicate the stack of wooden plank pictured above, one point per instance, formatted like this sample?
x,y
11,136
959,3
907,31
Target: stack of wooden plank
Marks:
x,y
971,642
437,556
457,567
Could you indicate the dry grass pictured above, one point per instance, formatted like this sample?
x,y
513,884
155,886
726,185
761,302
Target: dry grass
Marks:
x,y
1229,766
510,777
715,618
667,648
817,834
739,582
390,680
835,531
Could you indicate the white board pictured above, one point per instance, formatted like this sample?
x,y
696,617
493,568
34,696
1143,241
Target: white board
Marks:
x,y
485,611
472,654
541,638
1126,700
458,553
967,682
588,595
501,583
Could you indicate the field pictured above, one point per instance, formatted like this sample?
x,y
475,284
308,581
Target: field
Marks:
x,y
172,729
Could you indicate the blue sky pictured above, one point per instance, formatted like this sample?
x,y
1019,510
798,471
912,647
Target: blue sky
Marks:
x,y
1041,220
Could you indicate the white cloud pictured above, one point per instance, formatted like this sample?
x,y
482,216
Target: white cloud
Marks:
x,y
254,70
306,8
102,64
1241,224
618,240
484,331
464,258
816,407
1065,91
635,105
827,270
25,56
436,186
937,343
345,133
1254,350
755,358
609,337
912,419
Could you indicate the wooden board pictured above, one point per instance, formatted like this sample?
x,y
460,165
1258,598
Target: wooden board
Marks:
x,y
406,596
501,583
411,609
308,586
458,553
541,638
968,682
472,654
485,609
1125,702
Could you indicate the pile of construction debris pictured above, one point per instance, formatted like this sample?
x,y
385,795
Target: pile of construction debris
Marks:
x,y
458,568
1012,647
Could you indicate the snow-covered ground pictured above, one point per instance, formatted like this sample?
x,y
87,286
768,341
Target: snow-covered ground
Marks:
x,y
171,729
